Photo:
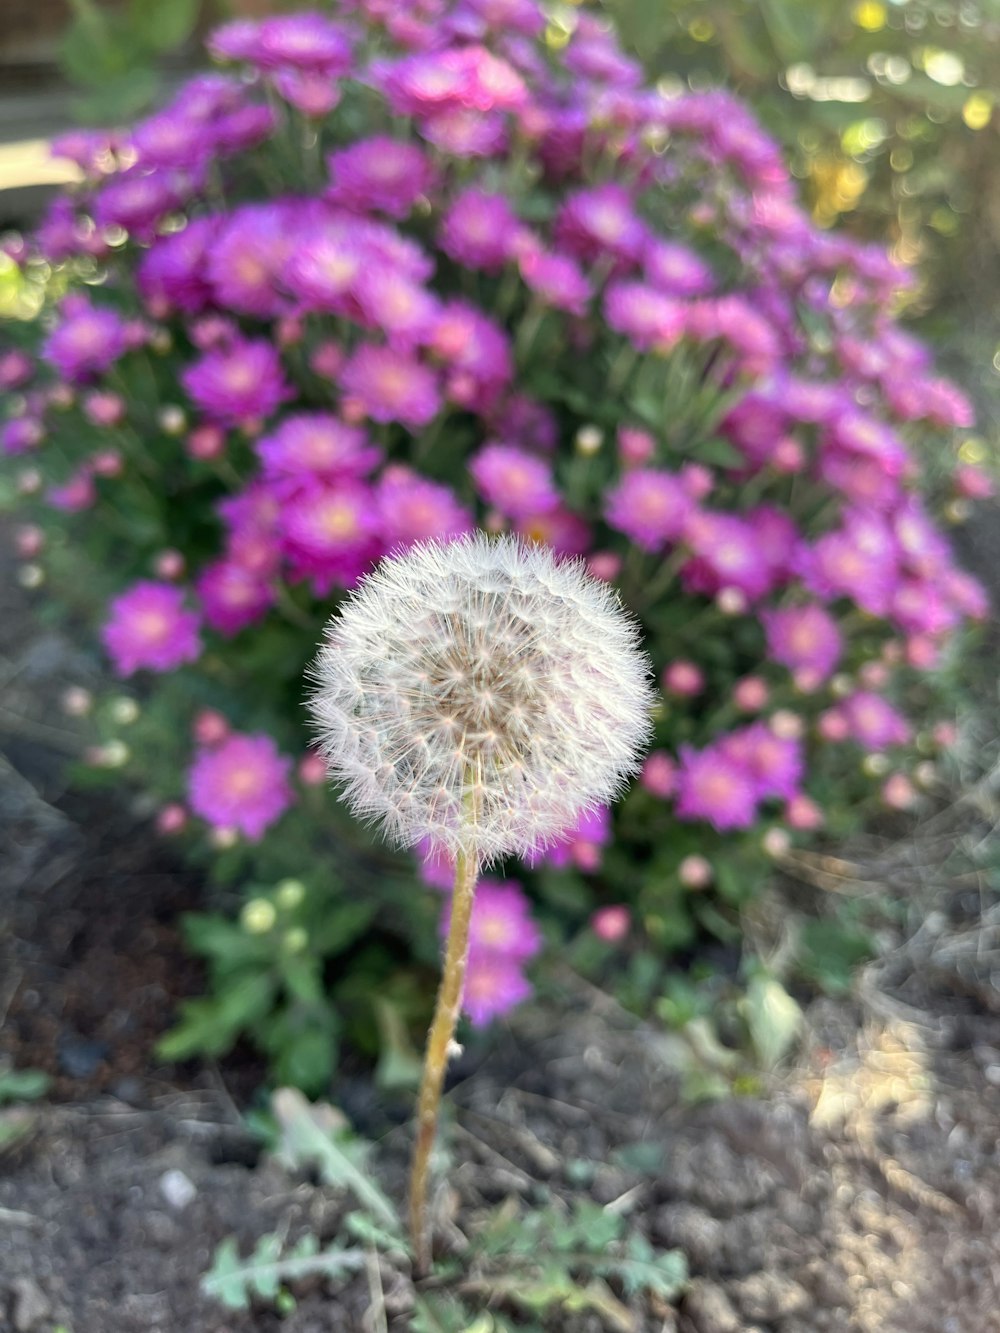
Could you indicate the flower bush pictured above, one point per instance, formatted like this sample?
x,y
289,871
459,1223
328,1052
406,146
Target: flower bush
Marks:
x,y
407,271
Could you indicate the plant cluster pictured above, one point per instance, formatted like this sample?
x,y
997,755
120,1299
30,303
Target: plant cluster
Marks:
x,y
401,273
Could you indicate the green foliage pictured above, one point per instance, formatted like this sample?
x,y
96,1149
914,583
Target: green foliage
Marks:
x,y
112,54
23,1085
887,110
234,1281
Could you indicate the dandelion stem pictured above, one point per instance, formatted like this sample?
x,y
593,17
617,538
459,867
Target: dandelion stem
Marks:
x,y
439,1048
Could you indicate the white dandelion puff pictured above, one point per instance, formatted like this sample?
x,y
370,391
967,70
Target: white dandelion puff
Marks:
x,y
480,675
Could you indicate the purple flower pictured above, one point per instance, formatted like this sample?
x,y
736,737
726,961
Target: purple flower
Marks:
x,y
775,764
601,221
650,506
478,230
16,368
21,434
331,533
87,339
306,41
388,302
713,785
728,554
645,316
464,77
873,722
325,267
675,269
389,385
232,596
241,783
148,626
137,199
501,921
238,384
477,354
560,528
412,509
316,444
463,131
513,481
380,174
494,984
172,273
557,280
804,638
247,259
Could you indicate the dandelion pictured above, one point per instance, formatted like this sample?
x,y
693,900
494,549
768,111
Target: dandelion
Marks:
x,y
479,696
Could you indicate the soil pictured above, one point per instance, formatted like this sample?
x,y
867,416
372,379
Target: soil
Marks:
x,y
860,1194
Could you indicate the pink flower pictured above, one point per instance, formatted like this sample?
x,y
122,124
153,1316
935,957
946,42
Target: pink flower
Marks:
x,y
478,230
683,679
389,303
515,482
873,722
675,269
149,627
659,774
713,785
501,921
232,596
240,783
412,509
600,221
238,384
316,444
750,694
774,763
804,638
728,556
86,340
558,281
611,923
650,506
695,872
648,318
380,174
389,385
494,984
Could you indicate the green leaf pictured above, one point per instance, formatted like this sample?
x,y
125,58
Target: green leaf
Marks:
x,y
164,25
307,1136
772,1017
211,1026
341,927
233,1281
23,1085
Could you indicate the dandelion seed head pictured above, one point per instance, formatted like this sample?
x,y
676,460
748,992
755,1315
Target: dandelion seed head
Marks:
x,y
480,695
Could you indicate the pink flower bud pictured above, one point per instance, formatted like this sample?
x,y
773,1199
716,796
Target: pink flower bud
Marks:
x,y
169,565
107,463
611,923
898,792
312,770
101,407
945,734
327,360
832,726
29,541
973,483
697,480
922,652
683,679
289,331
171,419
695,872
210,331
788,456
210,727
750,694
171,819
586,856
874,675
803,813
635,447
29,481
206,442
659,774
807,680
604,565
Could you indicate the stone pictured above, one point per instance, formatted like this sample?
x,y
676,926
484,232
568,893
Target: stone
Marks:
x,y
31,1305
769,1296
177,1189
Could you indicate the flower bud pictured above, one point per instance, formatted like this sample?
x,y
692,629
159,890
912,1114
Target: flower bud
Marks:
x,y
695,872
290,894
611,923
258,916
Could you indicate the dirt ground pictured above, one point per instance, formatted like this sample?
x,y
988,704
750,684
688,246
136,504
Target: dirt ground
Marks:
x,y
861,1194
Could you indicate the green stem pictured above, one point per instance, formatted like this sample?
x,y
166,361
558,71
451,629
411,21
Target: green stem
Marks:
x,y
439,1050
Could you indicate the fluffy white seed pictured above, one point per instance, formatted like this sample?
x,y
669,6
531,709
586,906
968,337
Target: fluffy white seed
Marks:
x,y
481,695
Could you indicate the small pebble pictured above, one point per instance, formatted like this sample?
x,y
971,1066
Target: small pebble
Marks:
x,y
177,1189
